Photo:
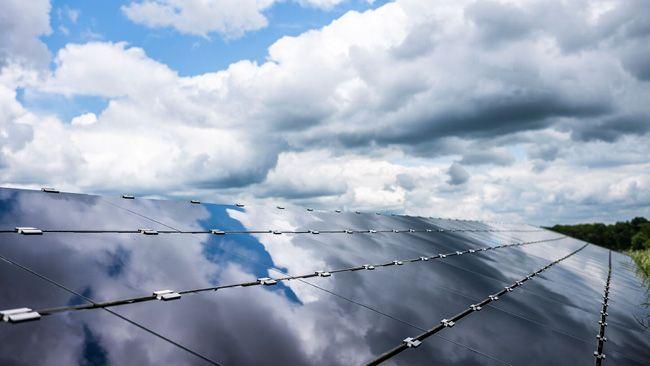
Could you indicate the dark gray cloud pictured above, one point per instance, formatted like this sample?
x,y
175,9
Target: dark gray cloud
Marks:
x,y
457,174
487,157
611,129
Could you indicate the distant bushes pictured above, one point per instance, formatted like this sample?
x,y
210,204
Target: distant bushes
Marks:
x,y
633,234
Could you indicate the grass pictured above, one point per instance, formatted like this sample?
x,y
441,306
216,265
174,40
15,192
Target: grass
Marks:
x,y
642,259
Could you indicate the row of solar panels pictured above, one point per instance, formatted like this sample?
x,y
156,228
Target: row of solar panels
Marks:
x,y
273,307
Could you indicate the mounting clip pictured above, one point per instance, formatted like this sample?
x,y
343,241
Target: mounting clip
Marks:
x,y
411,342
447,323
19,315
148,231
266,281
29,231
166,295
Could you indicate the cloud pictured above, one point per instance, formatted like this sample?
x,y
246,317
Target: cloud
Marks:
x,y
21,23
230,19
612,128
457,174
382,109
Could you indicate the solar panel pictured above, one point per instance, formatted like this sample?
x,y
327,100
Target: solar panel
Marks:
x,y
127,280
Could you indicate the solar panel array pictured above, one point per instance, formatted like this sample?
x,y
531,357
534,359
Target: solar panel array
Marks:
x,y
122,280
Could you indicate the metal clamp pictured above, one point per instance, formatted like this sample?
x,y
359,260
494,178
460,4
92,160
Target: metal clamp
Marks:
x,y
50,190
599,355
337,211
459,252
472,251
239,204
411,342
315,232
148,231
443,256
29,231
372,231
323,273
424,258
601,338
277,232
369,267
310,209
494,297
217,232
280,207
19,315
398,263
266,281
128,196
347,231
166,295
475,307
195,201
447,323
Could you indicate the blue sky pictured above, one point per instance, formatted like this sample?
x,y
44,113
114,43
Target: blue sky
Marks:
x,y
188,54
82,21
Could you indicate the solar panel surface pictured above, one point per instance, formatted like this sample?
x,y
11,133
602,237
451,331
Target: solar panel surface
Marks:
x,y
418,271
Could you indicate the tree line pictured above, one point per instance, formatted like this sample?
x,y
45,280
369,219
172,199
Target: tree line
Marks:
x,y
626,235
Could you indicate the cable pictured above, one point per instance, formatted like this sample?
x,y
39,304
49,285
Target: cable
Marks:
x,y
412,342
273,281
598,353
71,291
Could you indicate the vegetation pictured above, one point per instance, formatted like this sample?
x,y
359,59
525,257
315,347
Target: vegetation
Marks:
x,y
632,236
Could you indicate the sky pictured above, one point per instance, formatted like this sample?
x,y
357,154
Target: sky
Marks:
x,y
508,110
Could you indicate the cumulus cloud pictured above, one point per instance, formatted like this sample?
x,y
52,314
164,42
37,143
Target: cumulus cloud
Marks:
x,y
381,109
457,174
21,23
229,18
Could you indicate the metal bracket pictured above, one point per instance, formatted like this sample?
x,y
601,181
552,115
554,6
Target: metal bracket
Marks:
x,y
166,295
19,315
29,231
266,281
447,323
411,342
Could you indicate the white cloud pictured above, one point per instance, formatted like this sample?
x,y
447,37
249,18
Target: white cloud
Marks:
x,y
85,119
229,18
21,23
377,110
